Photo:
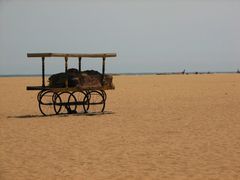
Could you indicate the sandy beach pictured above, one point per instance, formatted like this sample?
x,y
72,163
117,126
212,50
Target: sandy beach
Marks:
x,y
155,127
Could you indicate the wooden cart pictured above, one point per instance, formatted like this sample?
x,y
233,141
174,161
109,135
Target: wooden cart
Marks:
x,y
55,100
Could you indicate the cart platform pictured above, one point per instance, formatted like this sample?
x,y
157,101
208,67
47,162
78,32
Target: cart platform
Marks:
x,y
37,88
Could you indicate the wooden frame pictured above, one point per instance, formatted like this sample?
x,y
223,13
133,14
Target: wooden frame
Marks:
x,y
66,56
49,98
96,55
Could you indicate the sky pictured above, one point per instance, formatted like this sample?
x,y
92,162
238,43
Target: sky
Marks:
x,y
148,36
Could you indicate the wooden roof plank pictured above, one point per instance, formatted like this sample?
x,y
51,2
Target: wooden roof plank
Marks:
x,y
96,55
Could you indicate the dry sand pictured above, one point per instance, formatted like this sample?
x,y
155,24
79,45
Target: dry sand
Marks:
x,y
157,127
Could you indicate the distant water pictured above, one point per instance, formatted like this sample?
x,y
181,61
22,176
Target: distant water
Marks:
x,y
20,75
130,74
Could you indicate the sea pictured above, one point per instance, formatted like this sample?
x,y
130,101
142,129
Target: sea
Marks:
x,y
130,74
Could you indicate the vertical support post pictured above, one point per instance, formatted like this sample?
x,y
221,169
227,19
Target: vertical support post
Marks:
x,y
103,70
43,71
66,64
66,68
79,64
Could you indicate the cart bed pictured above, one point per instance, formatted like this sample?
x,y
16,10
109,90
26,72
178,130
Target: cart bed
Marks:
x,y
31,88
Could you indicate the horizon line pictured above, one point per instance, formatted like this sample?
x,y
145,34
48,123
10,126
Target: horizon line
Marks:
x,y
136,73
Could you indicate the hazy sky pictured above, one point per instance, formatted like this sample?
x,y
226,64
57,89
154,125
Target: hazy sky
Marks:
x,y
148,36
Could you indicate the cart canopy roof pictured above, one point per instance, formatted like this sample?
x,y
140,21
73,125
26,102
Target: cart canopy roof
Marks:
x,y
97,55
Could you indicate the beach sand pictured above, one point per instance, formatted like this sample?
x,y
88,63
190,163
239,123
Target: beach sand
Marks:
x,y
156,127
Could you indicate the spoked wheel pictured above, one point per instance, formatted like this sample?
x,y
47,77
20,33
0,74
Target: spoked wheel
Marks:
x,y
94,102
46,101
66,102
80,95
